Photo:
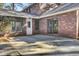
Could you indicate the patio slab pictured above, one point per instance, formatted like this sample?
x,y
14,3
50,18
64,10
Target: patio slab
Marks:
x,y
64,46
60,41
63,43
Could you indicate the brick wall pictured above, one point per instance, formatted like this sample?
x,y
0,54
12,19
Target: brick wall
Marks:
x,y
33,26
35,10
24,29
67,24
43,26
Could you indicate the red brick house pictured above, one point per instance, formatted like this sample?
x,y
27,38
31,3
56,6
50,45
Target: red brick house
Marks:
x,y
39,18
61,19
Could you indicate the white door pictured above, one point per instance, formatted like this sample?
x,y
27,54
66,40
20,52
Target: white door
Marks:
x,y
29,26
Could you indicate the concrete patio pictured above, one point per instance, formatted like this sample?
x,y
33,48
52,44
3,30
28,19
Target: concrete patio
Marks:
x,y
64,46
60,41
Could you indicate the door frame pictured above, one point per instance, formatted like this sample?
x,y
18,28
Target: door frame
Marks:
x,y
53,26
29,26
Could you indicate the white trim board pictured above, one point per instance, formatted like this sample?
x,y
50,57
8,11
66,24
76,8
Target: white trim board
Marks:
x,y
61,12
29,29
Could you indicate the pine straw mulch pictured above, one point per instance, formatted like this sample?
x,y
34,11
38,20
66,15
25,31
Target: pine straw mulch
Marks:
x,y
25,47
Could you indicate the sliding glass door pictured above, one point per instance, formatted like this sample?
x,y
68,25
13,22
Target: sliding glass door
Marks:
x,y
52,26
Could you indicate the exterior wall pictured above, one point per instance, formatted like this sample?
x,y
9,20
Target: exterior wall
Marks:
x,y
43,26
33,26
67,24
34,9
24,27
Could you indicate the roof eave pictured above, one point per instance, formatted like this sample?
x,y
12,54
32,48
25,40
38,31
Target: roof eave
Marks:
x,y
13,16
59,12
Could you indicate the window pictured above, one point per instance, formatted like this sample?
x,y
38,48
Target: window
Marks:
x,y
13,25
16,26
37,24
29,25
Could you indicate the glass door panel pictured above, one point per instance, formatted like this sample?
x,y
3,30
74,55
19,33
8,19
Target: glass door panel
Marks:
x,y
52,26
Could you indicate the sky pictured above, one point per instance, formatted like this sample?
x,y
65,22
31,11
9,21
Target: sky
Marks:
x,y
18,8
21,8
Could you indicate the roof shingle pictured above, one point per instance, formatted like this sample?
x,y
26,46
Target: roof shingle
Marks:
x,y
64,7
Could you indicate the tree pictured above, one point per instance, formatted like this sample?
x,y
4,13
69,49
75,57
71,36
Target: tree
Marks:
x,y
13,6
4,24
1,5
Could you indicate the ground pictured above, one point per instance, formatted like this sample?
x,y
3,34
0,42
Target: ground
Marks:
x,y
64,46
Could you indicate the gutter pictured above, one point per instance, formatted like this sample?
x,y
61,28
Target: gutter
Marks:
x,y
61,12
